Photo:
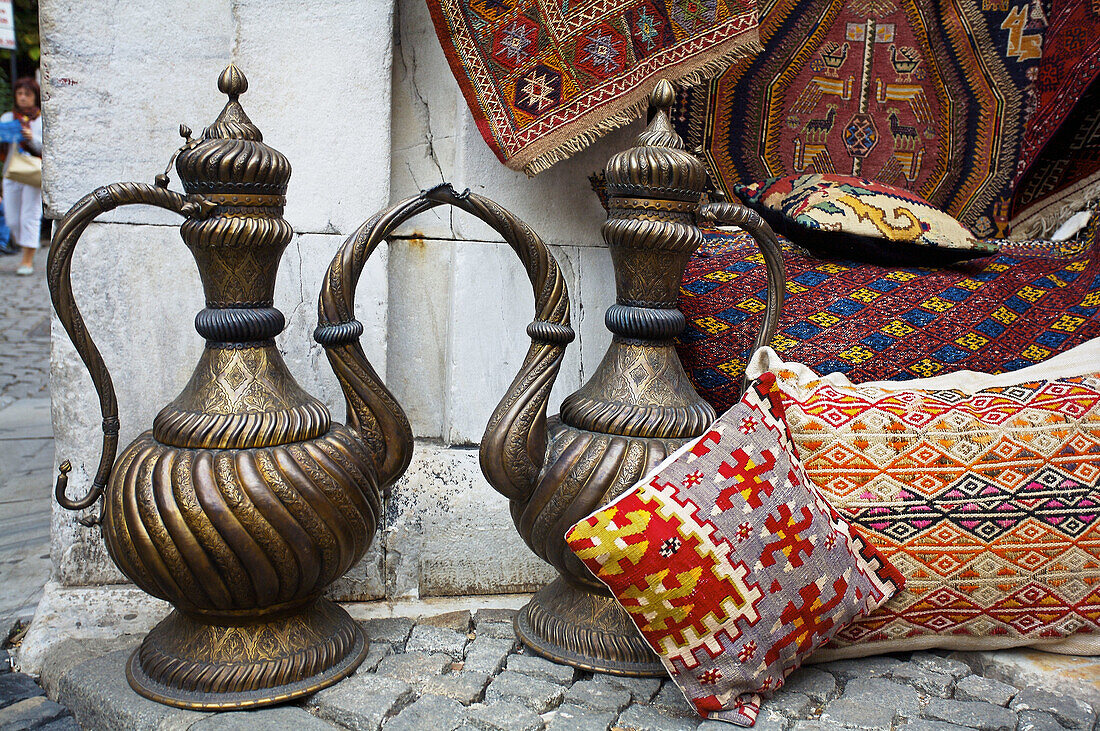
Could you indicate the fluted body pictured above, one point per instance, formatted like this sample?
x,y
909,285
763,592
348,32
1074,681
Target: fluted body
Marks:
x,y
244,501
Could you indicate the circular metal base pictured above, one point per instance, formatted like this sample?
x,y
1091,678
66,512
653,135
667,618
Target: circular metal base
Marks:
x,y
187,663
569,625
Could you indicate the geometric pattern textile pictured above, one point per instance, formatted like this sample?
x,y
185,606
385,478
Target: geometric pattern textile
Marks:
x,y
843,216
545,78
926,95
732,566
987,499
994,314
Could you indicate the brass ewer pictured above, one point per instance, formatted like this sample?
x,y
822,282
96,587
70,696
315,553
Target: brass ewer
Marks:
x,y
636,409
244,501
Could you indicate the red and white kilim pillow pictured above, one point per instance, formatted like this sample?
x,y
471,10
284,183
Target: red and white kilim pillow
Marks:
x,y
984,491
731,565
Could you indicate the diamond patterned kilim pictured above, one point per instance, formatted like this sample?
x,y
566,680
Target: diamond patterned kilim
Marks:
x,y
732,566
992,314
544,78
987,501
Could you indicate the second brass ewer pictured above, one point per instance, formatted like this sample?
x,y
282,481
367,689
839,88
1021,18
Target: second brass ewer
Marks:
x,y
636,409
245,500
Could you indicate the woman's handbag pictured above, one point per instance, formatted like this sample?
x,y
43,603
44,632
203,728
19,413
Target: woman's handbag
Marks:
x,y
23,168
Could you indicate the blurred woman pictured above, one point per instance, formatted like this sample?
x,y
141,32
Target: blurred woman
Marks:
x,y
23,203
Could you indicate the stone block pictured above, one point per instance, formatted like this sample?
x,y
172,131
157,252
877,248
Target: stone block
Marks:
x,y
394,630
411,666
641,689
458,621
29,712
640,717
972,714
538,695
420,318
430,711
597,695
448,533
672,700
540,667
1037,721
787,704
569,717
494,615
316,199
285,718
1073,675
487,655
70,653
943,665
986,690
816,683
763,723
923,724
377,652
859,714
504,716
98,695
426,638
1070,712
361,702
939,685
15,687
876,666
464,687
499,630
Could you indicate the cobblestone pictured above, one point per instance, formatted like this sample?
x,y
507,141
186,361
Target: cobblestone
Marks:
x,y
394,630
430,711
540,667
506,716
568,717
599,695
24,333
1070,712
987,690
31,713
428,638
412,689
538,695
972,714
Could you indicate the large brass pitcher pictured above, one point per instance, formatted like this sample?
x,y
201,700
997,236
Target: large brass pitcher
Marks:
x,y
244,501
636,409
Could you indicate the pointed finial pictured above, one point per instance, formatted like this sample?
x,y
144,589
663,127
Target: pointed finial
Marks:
x,y
232,82
663,96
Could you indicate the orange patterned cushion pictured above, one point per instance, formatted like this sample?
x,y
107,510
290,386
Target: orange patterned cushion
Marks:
x,y
984,491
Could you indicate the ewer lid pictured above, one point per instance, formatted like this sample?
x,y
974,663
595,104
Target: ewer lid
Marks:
x,y
231,156
657,166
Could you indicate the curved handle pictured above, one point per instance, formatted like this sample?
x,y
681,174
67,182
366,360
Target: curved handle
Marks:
x,y
727,213
514,445
58,267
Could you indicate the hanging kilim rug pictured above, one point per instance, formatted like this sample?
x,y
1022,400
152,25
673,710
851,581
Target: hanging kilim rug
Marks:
x,y
1059,169
545,78
926,95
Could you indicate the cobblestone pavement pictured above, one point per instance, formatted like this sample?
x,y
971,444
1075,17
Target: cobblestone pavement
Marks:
x,y
26,441
463,671
24,332
23,705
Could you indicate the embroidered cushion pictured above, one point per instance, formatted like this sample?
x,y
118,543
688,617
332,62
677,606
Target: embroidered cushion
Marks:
x,y
730,563
862,219
984,491
995,314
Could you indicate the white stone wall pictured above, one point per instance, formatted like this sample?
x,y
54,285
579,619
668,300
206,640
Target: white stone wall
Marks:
x,y
360,98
